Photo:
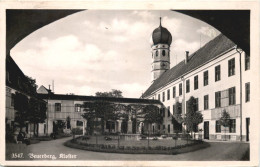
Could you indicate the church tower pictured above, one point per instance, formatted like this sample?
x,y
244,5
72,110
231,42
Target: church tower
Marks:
x,y
161,40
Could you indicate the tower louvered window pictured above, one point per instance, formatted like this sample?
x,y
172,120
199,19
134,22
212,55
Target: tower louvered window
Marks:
x,y
163,52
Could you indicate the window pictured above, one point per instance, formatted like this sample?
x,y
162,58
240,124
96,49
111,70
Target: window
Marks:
x,y
217,73
159,98
206,78
196,82
163,96
79,123
152,55
169,112
247,62
163,52
231,67
163,127
174,92
163,112
12,100
247,91
156,53
77,107
217,99
168,94
196,104
180,89
187,86
169,128
232,127
57,107
206,102
232,96
218,126
173,109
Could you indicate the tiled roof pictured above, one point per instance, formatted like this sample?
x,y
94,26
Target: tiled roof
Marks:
x,y
95,98
17,80
208,52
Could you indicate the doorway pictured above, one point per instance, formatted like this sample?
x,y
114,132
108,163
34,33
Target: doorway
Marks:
x,y
247,128
206,130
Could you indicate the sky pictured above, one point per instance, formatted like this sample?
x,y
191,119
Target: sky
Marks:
x,y
100,50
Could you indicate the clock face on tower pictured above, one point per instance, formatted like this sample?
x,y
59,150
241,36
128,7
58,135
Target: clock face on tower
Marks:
x,y
163,65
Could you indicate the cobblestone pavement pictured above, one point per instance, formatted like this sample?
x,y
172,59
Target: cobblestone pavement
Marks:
x,y
218,151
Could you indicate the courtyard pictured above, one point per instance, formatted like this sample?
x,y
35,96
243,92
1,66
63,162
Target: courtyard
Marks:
x,y
218,151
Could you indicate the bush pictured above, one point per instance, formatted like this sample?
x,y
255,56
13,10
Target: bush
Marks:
x,y
143,137
174,137
77,131
128,147
121,147
85,138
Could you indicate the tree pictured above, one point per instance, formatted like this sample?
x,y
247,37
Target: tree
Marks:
x,y
177,118
151,114
225,120
102,110
21,106
192,117
114,93
68,122
36,113
33,86
132,110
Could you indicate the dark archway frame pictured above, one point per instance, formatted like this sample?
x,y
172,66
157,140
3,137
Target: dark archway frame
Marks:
x,y
235,24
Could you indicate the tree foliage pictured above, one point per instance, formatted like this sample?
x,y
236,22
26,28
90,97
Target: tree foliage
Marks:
x,y
192,117
114,93
100,110
151,114
177,115
68,122
36,112
225,118
21,106
31,89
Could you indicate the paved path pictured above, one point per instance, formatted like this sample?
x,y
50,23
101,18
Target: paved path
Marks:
x,y
216,151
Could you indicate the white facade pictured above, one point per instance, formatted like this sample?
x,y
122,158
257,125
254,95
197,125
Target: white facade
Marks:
x,y
10,116
213,113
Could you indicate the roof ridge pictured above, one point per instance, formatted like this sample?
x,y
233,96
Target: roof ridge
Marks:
x,y
206,53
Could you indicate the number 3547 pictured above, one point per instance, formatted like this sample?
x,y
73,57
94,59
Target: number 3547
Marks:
x,y
17,155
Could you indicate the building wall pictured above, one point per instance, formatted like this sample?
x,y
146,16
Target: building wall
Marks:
x,y
10,114
68,109
212,113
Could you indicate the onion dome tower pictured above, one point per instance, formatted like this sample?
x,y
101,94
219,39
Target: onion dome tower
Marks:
x,y
160,40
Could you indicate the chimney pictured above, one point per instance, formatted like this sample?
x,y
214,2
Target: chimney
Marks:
x,y
187,57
